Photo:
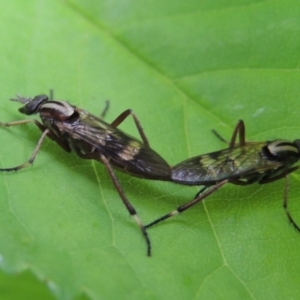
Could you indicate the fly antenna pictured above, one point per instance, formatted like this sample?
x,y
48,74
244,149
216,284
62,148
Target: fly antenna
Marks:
x,y
21,99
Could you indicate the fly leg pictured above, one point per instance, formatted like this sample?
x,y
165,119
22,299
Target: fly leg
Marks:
x,y
238,130
199,197
219,136
123,116
285,195
200,192
104,111
119,189
285,204
126,202
45,132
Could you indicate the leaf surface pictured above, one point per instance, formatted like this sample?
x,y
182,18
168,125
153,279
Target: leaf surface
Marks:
x,y
184,69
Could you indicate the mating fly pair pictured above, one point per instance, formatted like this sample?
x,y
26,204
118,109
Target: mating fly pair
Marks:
x,y
242,163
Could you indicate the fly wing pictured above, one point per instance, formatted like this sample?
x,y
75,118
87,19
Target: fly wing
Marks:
x,y
239,162
124,151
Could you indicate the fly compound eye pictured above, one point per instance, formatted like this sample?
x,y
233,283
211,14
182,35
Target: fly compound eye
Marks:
x,y
32,106
284,151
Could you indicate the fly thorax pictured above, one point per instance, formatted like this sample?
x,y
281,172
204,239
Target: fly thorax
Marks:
x,y
283,151
57,110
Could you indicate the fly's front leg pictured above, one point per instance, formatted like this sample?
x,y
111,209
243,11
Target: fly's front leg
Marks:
x,y
285,204
182,208
45,132
33,155
285,196
15,123
123,116
31,159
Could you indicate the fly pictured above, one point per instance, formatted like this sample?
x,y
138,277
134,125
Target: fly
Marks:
x,y
242,163
75,129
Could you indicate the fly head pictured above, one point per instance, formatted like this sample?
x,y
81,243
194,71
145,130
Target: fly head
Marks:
x,y
31,105
284,151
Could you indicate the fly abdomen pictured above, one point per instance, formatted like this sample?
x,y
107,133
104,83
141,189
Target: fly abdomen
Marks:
x,y
151,165
141,161
195,171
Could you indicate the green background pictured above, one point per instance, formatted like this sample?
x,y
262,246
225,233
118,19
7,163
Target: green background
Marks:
x,y
184,67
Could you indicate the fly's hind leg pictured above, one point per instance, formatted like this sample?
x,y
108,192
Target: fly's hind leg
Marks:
x,y
123,116
285,204
120,191
204,192
127,203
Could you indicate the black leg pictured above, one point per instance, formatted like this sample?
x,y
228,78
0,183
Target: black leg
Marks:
x,y
285,204
219,136
280,176
200,192
189,204
239,182
119,189
104,111
239,129
51,94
